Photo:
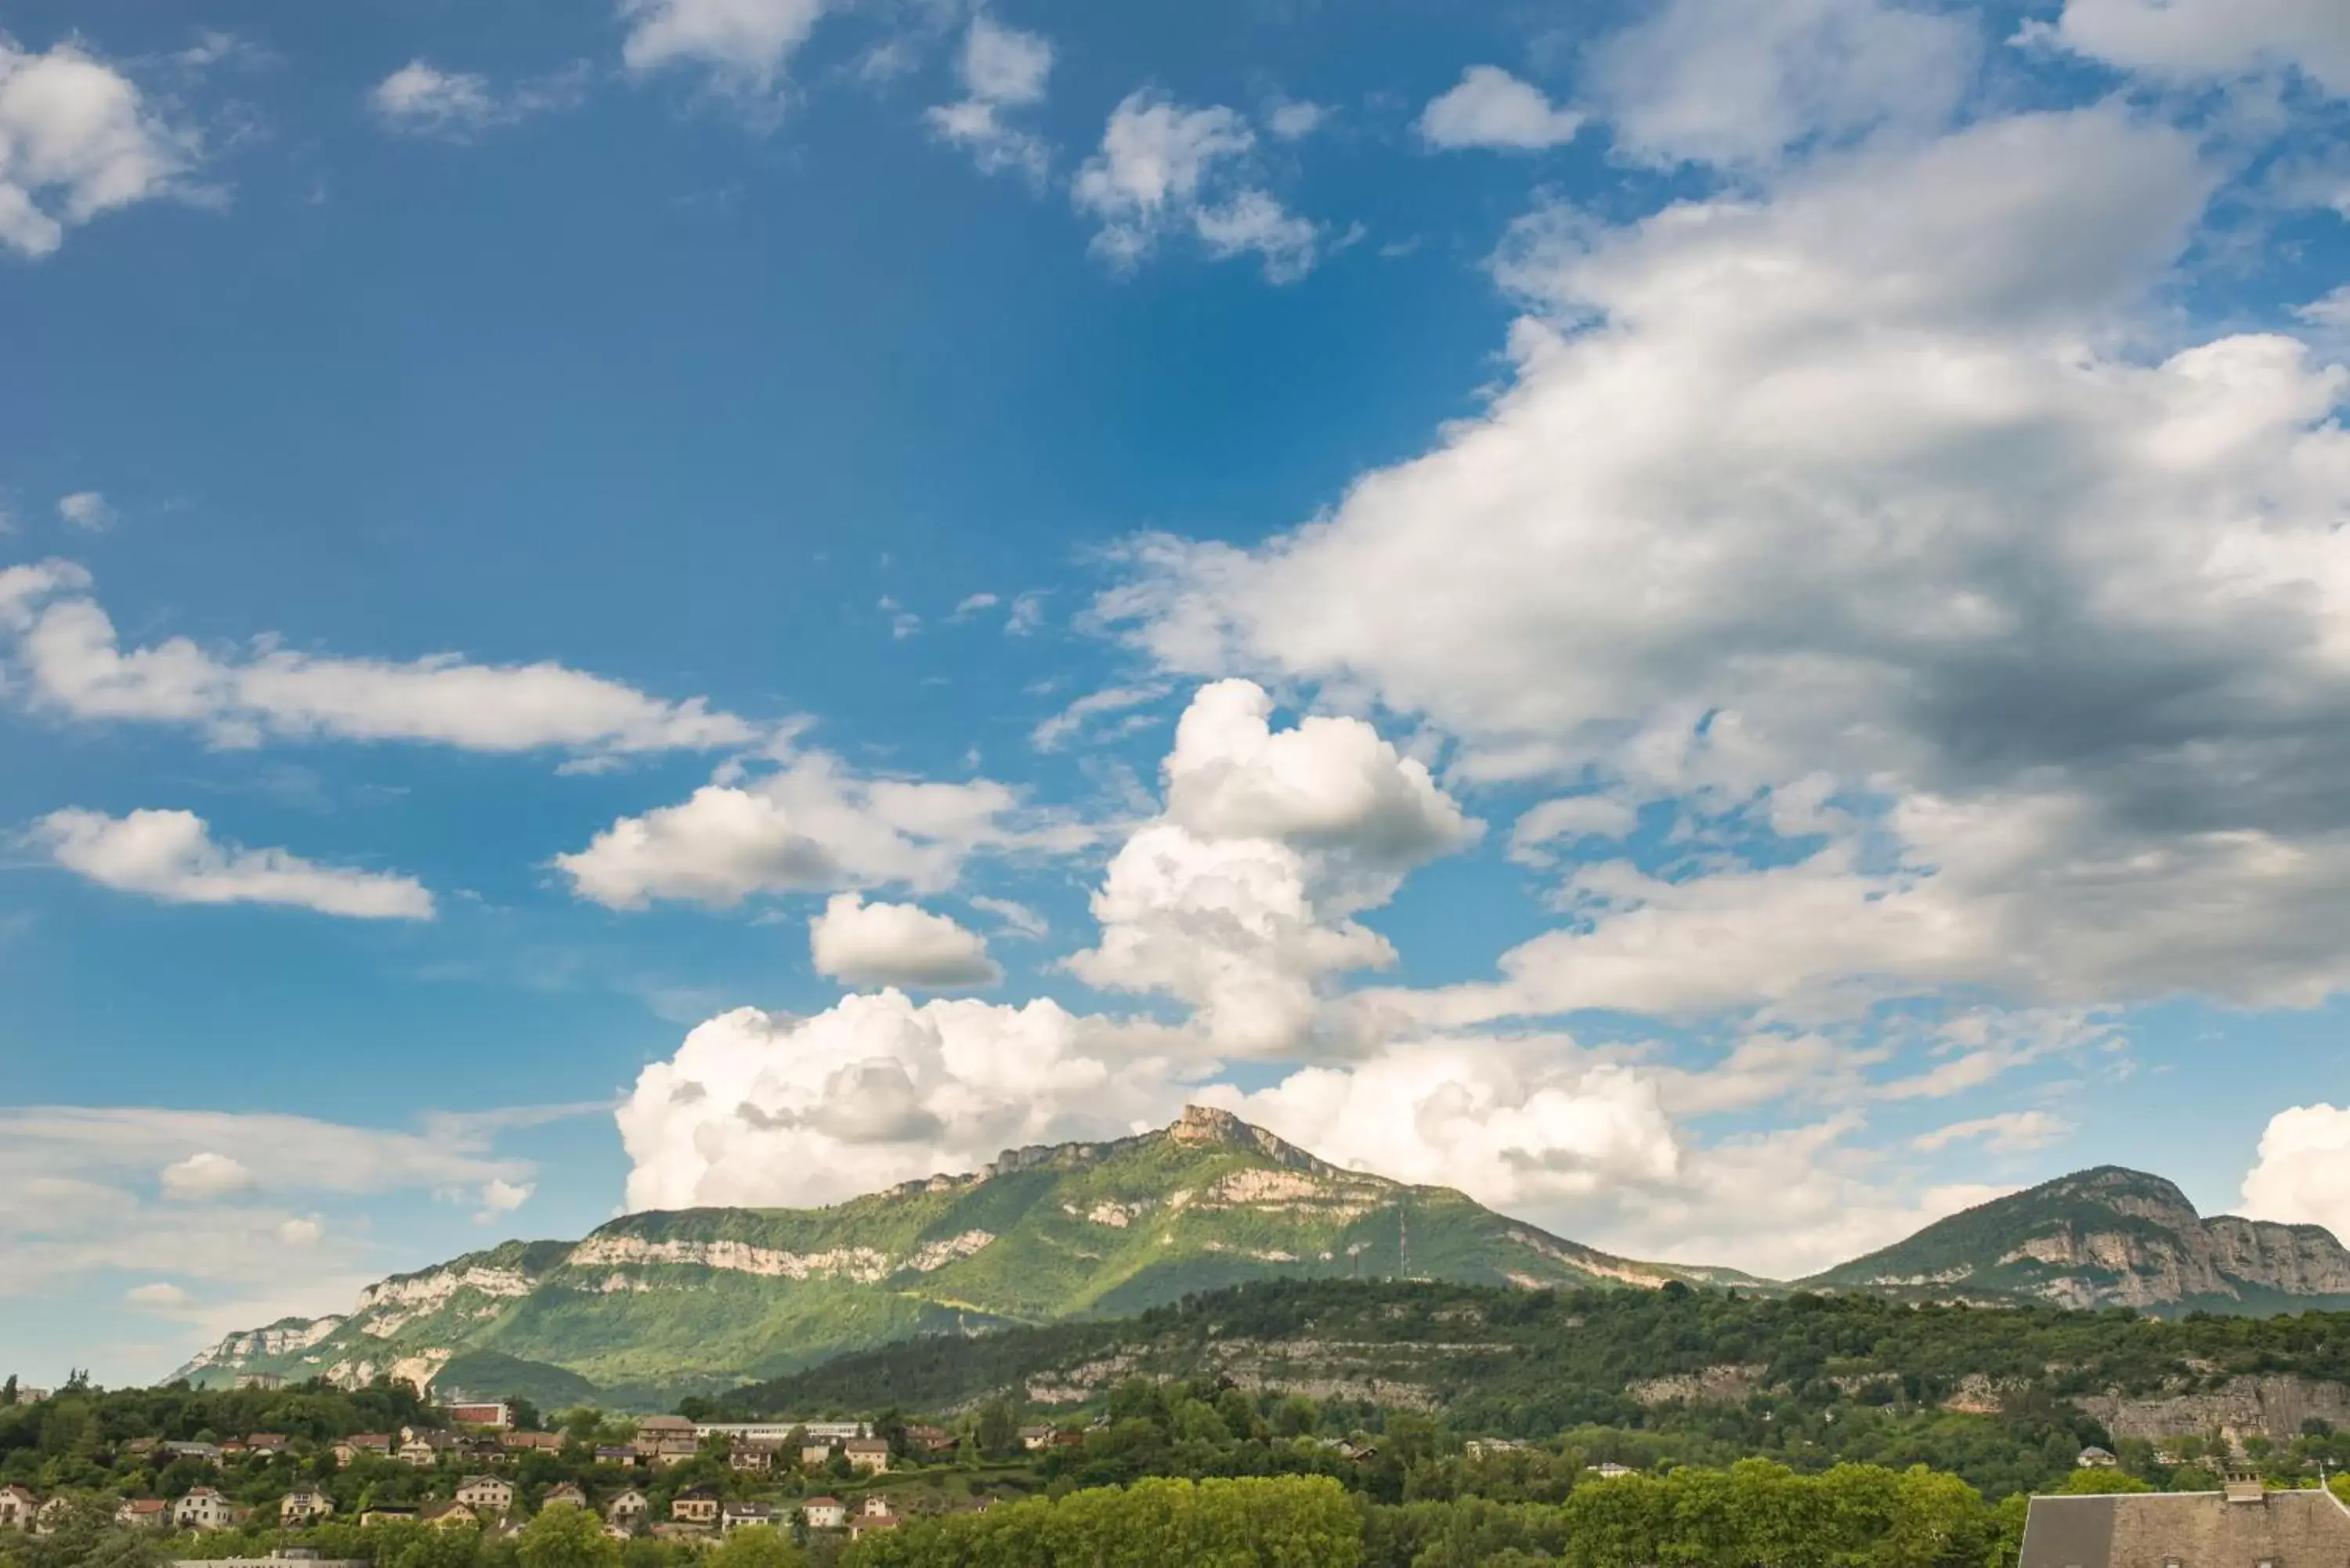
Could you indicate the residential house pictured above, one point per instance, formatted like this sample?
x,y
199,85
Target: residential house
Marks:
x,y
529,1442
232,1448
203,1453
615,1531
144,1513
388,1516
486,1495
496,1413
265,1442
1609,1469
16,1506
1034,1437
874,1514
563,1496
445,1515
664,1426
930,1440
1490,1447
202,1509
618,1454
825,1513
875,1506
2239,1526
695,1505
738,1515
140,1446
867,1456
304,1505
423,1449
377,1445
2094,1458
813,1453
628,1510
668,1453
752,1457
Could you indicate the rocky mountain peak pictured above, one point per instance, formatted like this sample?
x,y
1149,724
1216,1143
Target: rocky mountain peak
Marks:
x,y
1206,1125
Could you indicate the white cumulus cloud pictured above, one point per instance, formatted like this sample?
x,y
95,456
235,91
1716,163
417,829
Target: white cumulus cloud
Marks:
x,y
859,943
77,138
2302,1175
1162,168
204,1174
2213,38
87,510
1723,81
501,1197
1002,69
420,98
1838,509
744,45
72,662
1238,899
763,1109
172,856
811,824
1490,108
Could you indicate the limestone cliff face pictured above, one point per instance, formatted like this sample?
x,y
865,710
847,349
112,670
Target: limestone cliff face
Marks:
x,y
2110,1236
707,1298
2271,1407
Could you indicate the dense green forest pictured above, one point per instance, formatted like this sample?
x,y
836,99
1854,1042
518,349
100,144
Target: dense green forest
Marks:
x,y
1753,1513
1820,1379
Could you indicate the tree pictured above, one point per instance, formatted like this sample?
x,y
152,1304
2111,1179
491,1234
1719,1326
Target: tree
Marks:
x,y
565,1536
998,1431
758,1546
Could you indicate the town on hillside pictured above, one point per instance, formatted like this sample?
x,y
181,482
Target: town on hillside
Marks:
x,y
268,1475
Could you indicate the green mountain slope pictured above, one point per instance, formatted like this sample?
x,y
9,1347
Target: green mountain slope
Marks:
x,y
2005,1396
709,1298
2108,1237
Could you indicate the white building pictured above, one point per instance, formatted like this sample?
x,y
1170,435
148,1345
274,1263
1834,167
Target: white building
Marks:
x,y
825,1432
204,1509
485,1495
16,1506
825,1513
303,1505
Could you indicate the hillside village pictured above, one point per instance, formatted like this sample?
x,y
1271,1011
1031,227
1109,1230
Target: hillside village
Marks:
x,y
483,1465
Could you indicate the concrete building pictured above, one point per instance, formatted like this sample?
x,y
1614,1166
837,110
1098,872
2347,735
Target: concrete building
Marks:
x,y
563,1496
304,1505
825,1513
17,1508
2243,1526
495,1414
629,1510
867,1456
695,1505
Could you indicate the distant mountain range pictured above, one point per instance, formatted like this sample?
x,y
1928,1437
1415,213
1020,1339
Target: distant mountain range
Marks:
x,y
655,1304
2108,1237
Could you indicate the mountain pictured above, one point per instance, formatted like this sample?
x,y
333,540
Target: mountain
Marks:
x,y
2002,1397
2108,1237
657,1303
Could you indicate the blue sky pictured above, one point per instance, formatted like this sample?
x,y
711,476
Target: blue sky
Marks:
x,y
1721,623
